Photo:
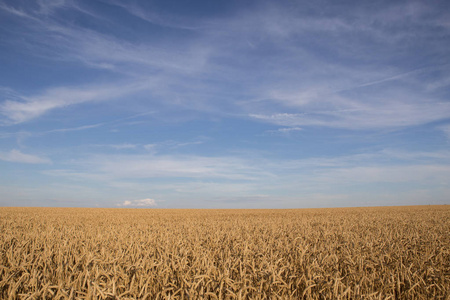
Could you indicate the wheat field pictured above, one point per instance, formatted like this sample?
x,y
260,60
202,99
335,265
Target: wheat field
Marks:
x,y
339,253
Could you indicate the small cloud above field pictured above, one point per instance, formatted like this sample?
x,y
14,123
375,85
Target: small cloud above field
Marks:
x,y
139,203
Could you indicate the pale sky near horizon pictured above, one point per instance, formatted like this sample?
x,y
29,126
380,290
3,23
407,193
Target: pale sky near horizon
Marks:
x,y
224,104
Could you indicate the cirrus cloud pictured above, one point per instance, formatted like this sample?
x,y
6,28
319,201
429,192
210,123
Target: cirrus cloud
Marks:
x,y
148,202
19,157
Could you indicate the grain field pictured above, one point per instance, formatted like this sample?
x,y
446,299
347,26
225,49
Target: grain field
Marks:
x,y
340,253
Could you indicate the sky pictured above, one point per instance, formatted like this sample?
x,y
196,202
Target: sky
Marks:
x,y
224,104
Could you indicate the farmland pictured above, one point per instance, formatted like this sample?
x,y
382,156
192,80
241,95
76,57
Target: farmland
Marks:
x,y
339,253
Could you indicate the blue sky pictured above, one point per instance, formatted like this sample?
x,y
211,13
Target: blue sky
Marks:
x,y
224,104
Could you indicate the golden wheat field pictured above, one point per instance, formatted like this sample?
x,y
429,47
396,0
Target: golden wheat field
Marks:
x,y
340,253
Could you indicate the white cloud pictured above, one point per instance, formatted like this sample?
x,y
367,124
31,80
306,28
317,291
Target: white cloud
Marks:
x,y
70,42
124,146
434,174
351,114
446,130
139,203
416,156
157,18
315,90
182,166
25,134
19,157
48,6
13,11
108,167
78,128
286,130
150,147
323,181
30,107
305,83
387,165
172,144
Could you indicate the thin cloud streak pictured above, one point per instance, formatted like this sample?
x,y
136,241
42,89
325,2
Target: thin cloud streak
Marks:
x,y
359,116
334,178
84,127
17,156
139,203
98,49
104,51
169,21
149,166
30,107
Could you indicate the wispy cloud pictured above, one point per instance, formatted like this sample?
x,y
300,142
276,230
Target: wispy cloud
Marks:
x,y
306,71
173,145
139,203
78,128
366,92
47,7
324,92
260,199
436,174
161,19
22,135
232,180
97,49
445,129
157,147
181,166
13,11
385,165
390,112
30,107
284,131
135,166
20,157
124,146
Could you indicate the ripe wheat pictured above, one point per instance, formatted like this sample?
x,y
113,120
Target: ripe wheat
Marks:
x,y
348,253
